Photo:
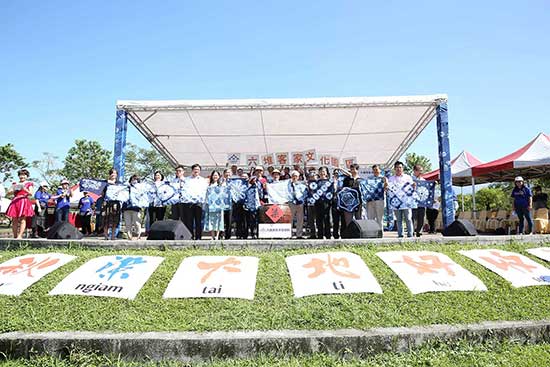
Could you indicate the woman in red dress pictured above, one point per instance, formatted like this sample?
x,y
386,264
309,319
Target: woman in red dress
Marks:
x,y
20,207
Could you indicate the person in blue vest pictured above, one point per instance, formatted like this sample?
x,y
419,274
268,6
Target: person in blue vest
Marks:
x,y
63,197
85,211
522,203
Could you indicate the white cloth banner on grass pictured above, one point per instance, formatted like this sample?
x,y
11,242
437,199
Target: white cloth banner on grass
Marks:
x,y
214,277
119,276
540,252
515,268
328,273
427,271
21,272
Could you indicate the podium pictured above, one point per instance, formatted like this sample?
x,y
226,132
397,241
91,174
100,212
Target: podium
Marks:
x,y
275,221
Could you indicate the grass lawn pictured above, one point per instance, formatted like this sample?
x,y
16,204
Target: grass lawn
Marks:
x,y
461,354
274,306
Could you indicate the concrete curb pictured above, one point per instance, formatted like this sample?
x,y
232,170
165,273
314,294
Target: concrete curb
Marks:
x,y
191,346
263,245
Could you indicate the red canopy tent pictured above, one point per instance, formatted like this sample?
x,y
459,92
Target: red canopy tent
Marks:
x,y
461,169
531,161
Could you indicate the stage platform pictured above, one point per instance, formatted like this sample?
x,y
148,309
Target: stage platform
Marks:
x,y
269,244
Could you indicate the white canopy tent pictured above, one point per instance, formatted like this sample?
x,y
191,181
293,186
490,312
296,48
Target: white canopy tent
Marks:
x,y
372,129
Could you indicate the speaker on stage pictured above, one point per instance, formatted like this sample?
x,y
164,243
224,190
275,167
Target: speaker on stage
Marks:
x,y
362,228
460,227
64,231
169,230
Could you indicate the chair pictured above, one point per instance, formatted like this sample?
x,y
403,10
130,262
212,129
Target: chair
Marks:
x,y
541,224
481,221
499,221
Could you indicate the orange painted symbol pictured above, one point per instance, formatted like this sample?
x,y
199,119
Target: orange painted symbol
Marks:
x,y
26,264
321,266
429,264
505,262
226,264
274,213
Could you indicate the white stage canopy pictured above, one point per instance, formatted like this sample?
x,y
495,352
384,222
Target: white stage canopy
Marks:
x,y
372,129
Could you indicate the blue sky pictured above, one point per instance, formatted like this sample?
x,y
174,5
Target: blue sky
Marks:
x,y
64,64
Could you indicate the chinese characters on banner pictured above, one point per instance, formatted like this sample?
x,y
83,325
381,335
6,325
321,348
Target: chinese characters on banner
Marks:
x,y
515,268
328,273
540,252
267,160
119,276
426,271
282,159
297,158
324,160
335,162
214,276
310,156
252,160
21,272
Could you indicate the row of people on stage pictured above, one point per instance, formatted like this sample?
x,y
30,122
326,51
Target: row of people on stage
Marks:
x,y
324,218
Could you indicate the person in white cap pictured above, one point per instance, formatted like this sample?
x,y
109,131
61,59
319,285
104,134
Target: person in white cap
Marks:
x,y
522,203
63,197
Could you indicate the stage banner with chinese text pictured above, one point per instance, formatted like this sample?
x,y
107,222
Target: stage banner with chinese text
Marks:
x,y
119,276
214,276
330,273
21,272
515,268
426,271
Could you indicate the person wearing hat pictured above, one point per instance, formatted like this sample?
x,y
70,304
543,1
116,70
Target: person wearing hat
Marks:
x,y
63,197
40,209
85,210
522,203
276,175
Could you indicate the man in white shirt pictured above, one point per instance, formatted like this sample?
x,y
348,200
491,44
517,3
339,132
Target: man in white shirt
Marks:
x,y
399,180
198,185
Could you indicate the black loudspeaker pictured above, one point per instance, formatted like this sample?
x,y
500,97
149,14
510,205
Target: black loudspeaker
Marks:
x,y
460,227
362,228
169,230
64,231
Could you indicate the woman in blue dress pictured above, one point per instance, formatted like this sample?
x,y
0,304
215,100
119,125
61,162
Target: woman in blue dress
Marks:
x,y
215,203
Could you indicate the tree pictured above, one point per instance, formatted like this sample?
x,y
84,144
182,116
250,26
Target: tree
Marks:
x,y
493,198
411,159
86,159
10,160
48,168
144,162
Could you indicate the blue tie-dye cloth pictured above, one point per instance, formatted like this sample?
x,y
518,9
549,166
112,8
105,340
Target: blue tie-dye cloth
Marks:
x,y
320,190
237,189
401,195
92,185
279,192
117,192
425,193
140,194
348,199
252,198
216,198
372,189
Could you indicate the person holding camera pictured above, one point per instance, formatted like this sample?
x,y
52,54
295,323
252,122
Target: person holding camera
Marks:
x,y
63,197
